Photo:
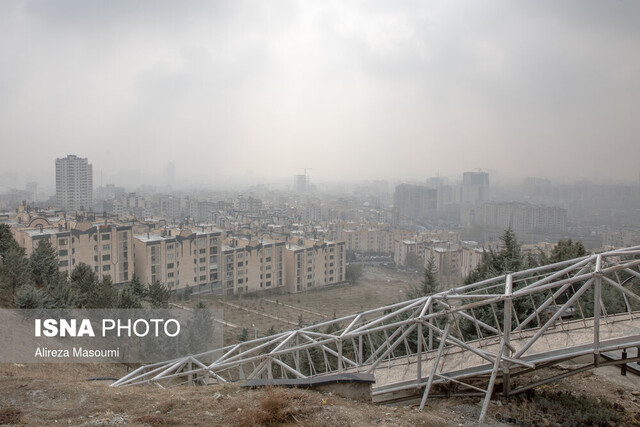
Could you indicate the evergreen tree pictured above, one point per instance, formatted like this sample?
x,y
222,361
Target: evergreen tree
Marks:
x,y
507,259
159,295
353,273
6,239
201,330
44,263
128,299
84,281
137,287
61,294
187,293
14,269
244,335
104,295
563,251
29,297
429,284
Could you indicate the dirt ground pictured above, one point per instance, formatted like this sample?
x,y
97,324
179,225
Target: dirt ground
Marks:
x,y
58,394
61,395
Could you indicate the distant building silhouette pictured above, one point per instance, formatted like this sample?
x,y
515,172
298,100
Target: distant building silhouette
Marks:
x,y
74,184
475,187
415,201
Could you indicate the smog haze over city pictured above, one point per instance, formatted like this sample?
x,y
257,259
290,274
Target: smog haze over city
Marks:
x,y
388,202
251,92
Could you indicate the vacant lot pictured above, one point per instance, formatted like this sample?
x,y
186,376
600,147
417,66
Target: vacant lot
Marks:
x,y
274,313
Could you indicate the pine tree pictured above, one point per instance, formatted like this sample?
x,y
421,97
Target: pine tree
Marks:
x,y
137,287
565,250
104,295
84,281
6,239
201,330
159,295
44,263
29,297
429,284
14,270
61,294
127,299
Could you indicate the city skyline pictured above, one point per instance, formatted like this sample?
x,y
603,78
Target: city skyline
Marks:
x,y
254,92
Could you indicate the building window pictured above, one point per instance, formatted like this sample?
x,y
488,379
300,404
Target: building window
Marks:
x,y
106,268
105,236
169,266
170,274
203,259
203,278
62,242
63,263
106,247
63,252
106,257
203,250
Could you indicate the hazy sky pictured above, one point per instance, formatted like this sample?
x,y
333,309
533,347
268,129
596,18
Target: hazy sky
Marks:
x,y
353,89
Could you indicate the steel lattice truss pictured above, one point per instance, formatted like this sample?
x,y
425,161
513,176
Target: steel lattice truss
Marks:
x,y
460,341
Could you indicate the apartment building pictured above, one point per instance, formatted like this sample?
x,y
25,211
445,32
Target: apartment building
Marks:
x,y
132,204
405,247
522,217
415,201
311,264
179,258
74,184
252,266
105,247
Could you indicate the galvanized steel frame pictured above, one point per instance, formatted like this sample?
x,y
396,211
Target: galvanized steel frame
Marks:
x,y
381,338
